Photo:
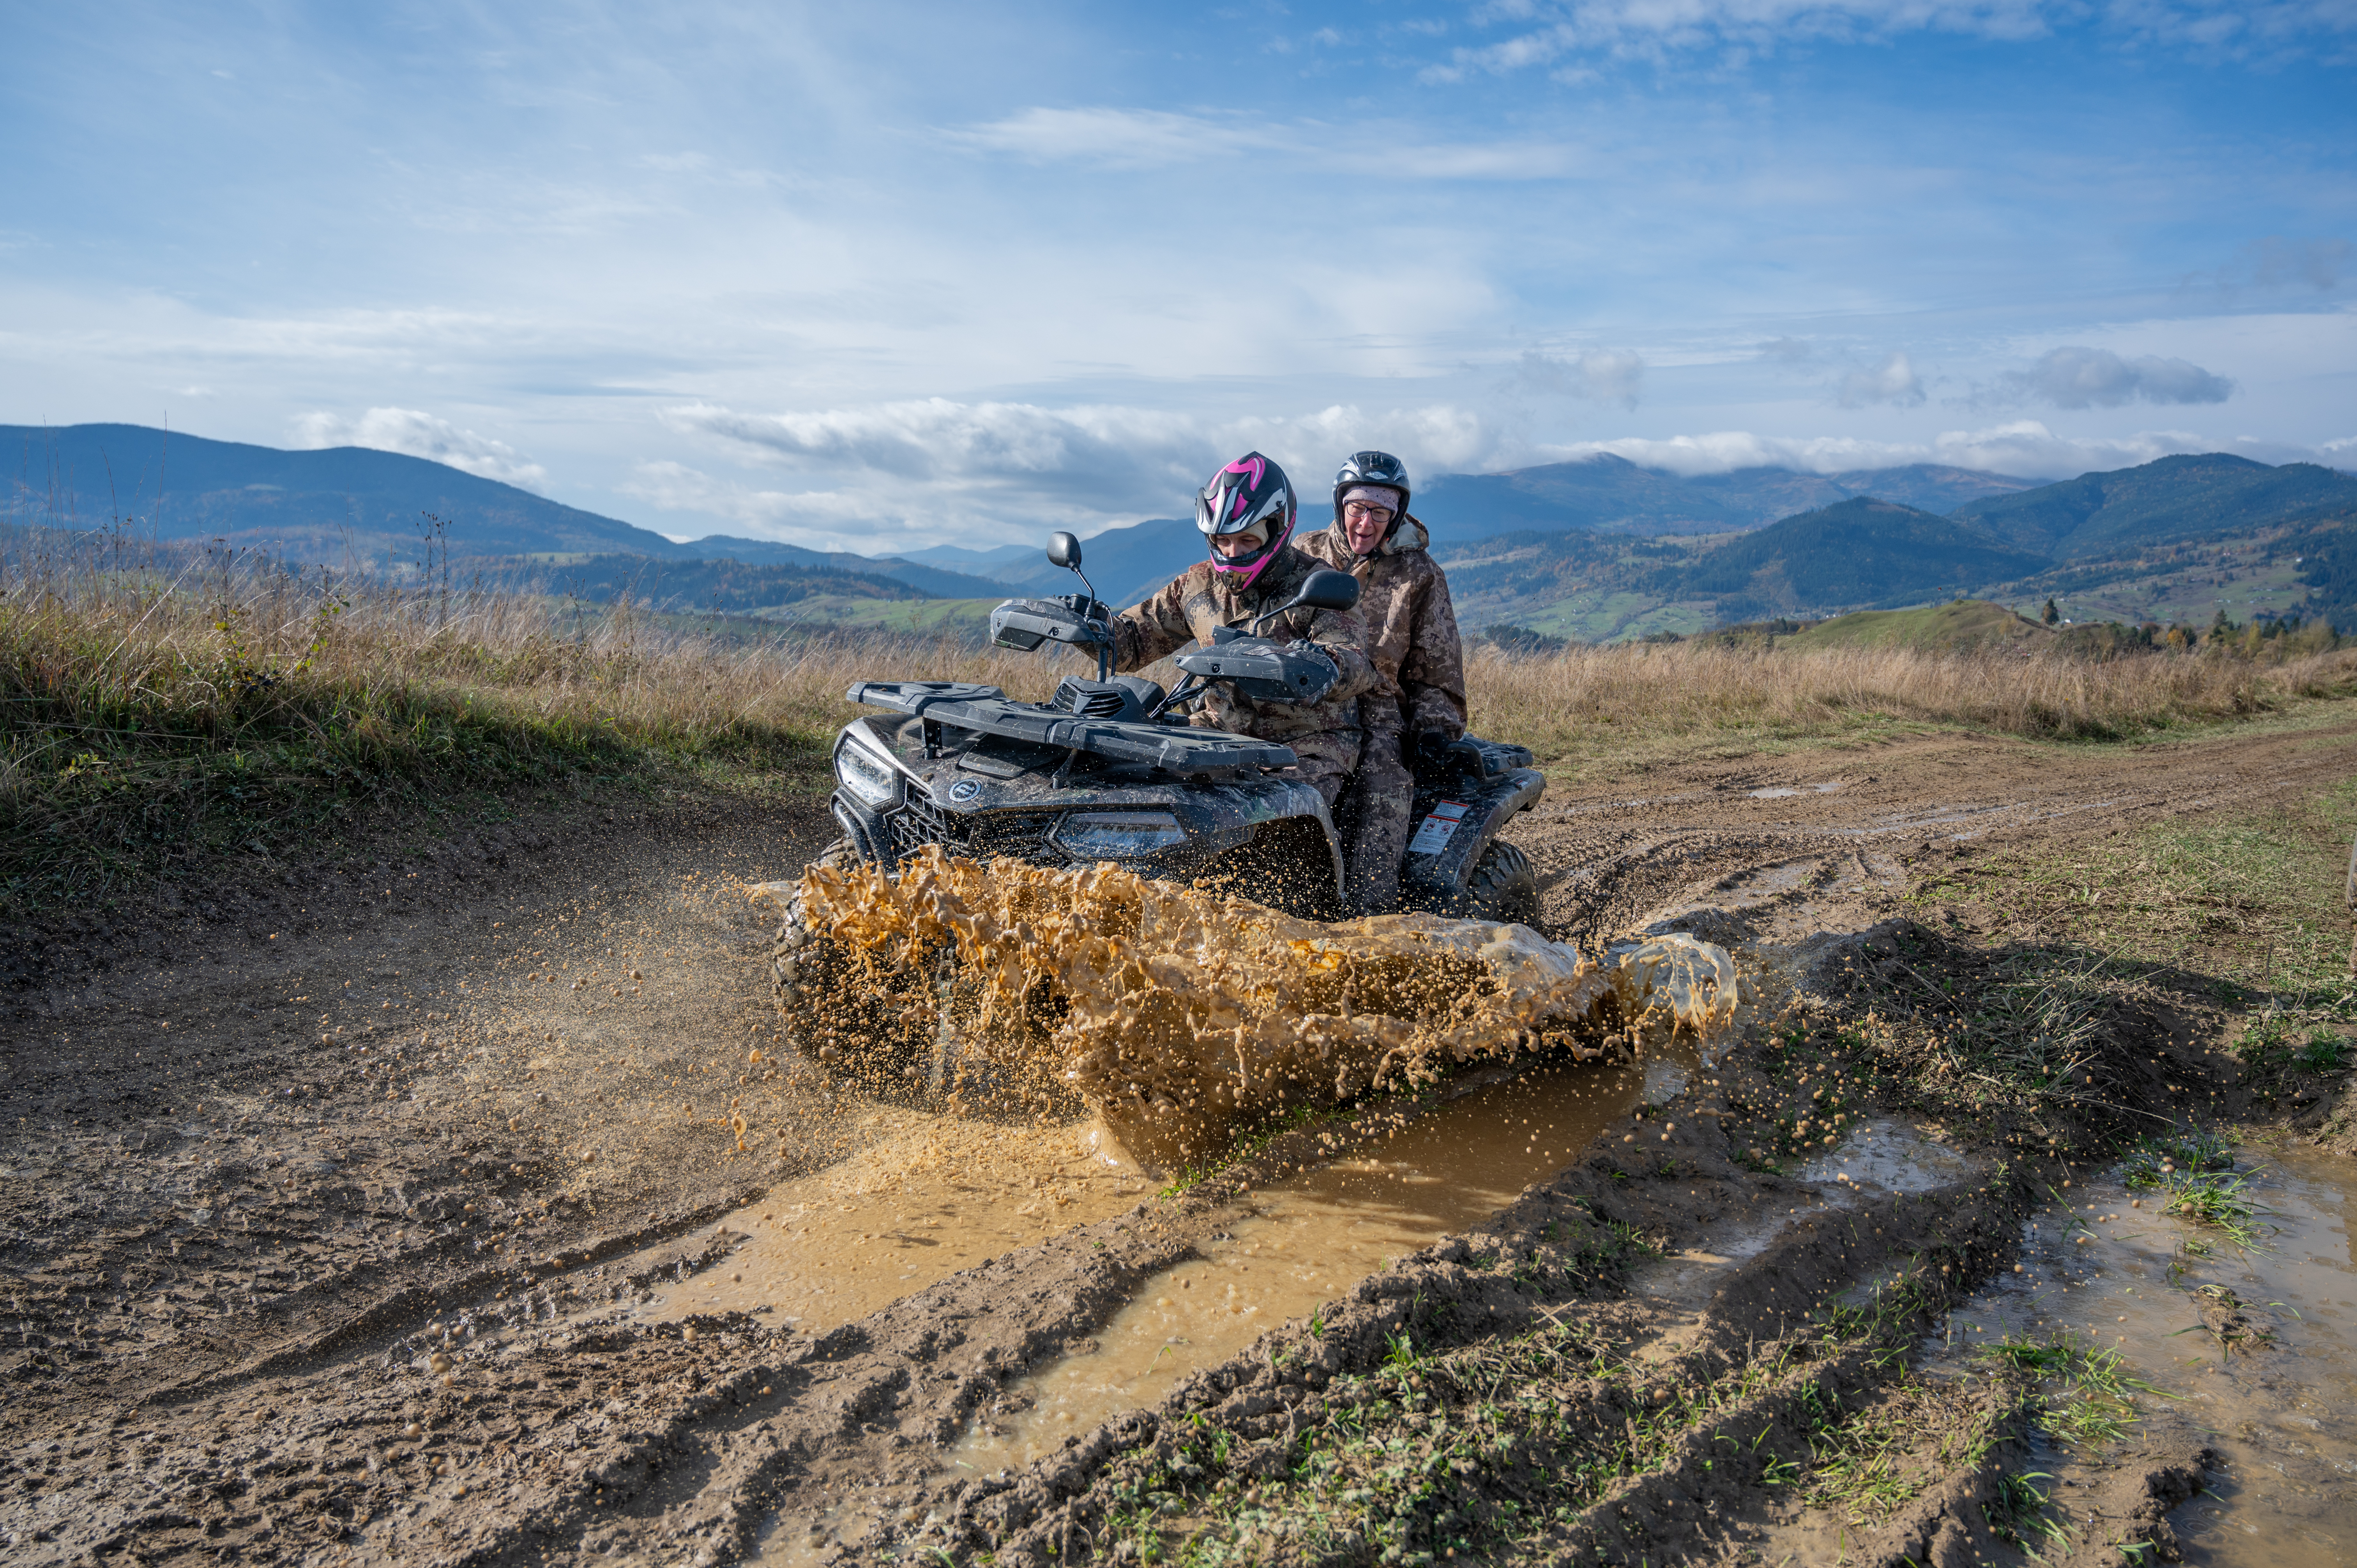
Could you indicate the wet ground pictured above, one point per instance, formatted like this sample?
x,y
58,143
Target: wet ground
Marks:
x,y
2252,1345
460,1208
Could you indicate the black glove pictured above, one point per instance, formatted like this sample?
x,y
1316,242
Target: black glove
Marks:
x,y
1095,611
1431,747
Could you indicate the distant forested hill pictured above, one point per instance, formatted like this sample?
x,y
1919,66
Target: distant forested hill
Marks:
x,y
347,503
2180,539
1862,554
1614,495
2160,502
727,587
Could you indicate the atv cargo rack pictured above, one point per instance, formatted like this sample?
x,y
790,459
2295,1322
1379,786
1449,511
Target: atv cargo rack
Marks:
x,y
1182,750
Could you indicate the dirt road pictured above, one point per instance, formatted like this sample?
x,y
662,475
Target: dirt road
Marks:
x,y
312,1183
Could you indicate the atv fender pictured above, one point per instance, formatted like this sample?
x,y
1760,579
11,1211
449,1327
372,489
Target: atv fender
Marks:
x,y
1454,824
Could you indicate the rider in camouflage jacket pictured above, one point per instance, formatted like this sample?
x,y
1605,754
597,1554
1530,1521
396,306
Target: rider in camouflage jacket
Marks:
x,y
1411,631
1323,734
1412,640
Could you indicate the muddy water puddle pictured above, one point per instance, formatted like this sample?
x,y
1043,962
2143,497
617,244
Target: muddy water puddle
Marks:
x,y
933,1195
1307,1240
2258,1347
1785,791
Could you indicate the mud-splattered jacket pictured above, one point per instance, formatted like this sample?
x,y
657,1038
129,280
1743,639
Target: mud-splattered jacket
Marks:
x,y
1411,630
1200,598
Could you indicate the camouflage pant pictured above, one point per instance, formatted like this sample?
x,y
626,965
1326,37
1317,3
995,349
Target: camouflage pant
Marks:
x,y
1377,812
1324,761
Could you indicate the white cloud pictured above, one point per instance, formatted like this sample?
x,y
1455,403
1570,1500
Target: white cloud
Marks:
x,y
1148,138
418,435
1561,31
1120,138
2274,263
1607,375
1892,382
829,516
2024,447
1017,463
2078,377
1651,29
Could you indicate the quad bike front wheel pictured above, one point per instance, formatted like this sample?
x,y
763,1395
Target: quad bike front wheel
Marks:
x,y
881,1027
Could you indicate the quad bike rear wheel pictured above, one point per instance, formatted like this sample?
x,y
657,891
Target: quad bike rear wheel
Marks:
x,y
1504,889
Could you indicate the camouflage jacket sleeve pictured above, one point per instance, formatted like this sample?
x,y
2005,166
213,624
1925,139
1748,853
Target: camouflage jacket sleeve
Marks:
x,y
1432,676
1153,627
1341,636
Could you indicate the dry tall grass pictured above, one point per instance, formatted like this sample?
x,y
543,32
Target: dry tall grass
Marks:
x,y
163,709
1613,704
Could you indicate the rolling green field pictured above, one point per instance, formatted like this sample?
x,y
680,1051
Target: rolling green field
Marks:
x,y
1936,629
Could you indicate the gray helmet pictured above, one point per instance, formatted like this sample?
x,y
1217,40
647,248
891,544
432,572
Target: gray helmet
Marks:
x,y
1372,468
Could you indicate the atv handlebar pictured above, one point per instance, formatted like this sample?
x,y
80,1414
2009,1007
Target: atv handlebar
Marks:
x,y
1264,671
1075,618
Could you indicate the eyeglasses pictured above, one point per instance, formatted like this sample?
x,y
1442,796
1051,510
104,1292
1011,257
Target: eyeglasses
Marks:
x,y
1359,511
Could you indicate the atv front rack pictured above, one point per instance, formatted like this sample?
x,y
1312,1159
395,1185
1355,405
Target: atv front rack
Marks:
x,y
1180,749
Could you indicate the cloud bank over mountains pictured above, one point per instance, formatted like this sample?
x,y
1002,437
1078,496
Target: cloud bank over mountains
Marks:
x,y
919,471
2097,378
418,435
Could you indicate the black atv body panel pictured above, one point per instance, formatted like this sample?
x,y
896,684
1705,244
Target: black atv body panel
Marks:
x,y
1454,822
1089,778
1015,786
943,706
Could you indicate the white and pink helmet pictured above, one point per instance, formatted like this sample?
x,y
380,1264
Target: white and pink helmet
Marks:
x,y
1248,494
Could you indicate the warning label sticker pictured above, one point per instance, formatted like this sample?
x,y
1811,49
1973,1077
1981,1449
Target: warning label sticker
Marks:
x,y
1432,833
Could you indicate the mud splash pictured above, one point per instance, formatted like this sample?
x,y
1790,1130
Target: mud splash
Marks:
x,y
1179,1017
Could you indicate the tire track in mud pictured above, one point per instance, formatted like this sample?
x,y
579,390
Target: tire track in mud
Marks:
x,y
277,1423
1606,859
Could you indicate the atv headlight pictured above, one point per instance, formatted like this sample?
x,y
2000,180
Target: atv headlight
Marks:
x,y
864,773
1117,835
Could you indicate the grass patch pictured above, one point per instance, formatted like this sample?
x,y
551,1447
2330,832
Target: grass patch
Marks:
x,y
2086,1394
2194,1172
2253,903
1867,1466
1966,1037
2017,1515
158,718
1475,1450
1597,710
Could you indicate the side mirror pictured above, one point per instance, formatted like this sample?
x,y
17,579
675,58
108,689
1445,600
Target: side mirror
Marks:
x,y
1064,550
1329,590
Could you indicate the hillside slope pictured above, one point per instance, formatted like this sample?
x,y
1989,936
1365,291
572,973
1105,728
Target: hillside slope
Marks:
x,y
347,503
1612,494
1863,553
2160,502
1956,627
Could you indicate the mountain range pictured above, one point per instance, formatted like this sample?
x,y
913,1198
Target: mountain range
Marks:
x,y
1594,549
2179,538
347,504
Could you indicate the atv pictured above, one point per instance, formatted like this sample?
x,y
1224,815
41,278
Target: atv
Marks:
x,y
1110,769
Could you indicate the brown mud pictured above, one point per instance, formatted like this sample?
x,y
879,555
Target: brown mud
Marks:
x,y
339,1210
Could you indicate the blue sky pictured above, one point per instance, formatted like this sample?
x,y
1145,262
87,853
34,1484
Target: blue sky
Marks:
x,y
879,276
